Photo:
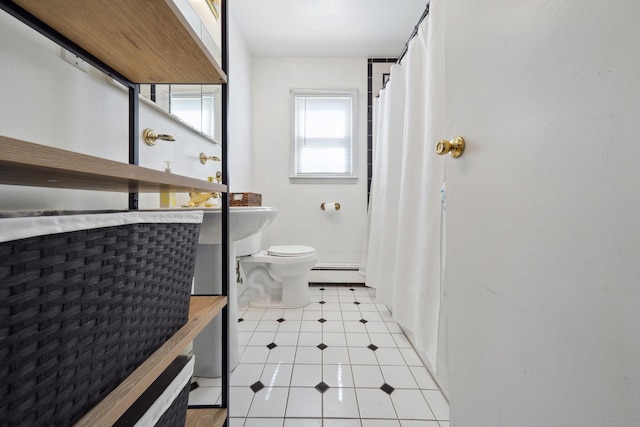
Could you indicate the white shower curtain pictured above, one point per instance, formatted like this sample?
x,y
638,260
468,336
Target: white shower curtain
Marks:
x,y
384,195
403,256
371,256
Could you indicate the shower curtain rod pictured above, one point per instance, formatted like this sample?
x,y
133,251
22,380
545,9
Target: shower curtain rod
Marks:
x,y
413,34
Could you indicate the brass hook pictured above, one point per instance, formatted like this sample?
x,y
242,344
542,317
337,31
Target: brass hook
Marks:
x,y
455,147
204,158
150,137
217,179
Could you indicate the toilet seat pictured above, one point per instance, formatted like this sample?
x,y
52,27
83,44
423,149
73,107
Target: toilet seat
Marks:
x,y
293,254
290,250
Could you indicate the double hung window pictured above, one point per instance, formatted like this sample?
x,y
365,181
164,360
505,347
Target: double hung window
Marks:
x,y
324,134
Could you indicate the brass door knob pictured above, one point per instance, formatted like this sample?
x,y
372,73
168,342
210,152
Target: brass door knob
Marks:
x,y
455,147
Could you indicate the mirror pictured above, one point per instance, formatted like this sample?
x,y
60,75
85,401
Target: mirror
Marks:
x,y
198,106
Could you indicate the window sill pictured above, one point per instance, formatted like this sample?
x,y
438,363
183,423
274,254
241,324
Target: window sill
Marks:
x,y
320,179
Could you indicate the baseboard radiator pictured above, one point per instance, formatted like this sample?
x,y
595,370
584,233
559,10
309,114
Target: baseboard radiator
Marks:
x,y
335,273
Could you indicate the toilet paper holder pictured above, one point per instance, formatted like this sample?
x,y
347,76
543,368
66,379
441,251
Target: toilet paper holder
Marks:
x,y
324,206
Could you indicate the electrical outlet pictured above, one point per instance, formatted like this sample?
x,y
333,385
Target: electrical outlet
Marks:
x,y
74,60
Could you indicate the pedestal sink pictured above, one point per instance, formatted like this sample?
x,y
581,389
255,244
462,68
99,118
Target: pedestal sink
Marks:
x,y
244,222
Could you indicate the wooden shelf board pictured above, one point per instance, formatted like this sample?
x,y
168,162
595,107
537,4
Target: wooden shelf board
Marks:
x,y
206,417
35,165
147,42
201,311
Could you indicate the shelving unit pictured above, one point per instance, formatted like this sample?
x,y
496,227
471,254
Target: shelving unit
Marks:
x,y
133,42
202,310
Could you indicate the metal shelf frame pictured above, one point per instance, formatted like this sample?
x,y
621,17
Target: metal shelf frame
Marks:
x,y
133,140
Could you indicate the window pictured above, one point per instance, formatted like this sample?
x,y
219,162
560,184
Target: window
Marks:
x,y
324,134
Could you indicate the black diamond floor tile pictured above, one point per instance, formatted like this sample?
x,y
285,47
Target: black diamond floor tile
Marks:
x,y
322,346
321,320
322,289
323,302
280,320
352,290
322,387
372,347
194,385
257,386
363,321
356,303
272,346
240,320
387,388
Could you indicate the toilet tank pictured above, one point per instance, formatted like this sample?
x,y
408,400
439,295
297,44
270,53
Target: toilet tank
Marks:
x,y
250,245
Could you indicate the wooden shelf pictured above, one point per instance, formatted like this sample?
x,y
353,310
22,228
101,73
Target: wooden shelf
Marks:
x,y
147,42
206,417
201,311
35,165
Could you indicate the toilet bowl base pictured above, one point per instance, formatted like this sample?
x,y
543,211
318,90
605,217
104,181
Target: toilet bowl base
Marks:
x,y
290,293
278,281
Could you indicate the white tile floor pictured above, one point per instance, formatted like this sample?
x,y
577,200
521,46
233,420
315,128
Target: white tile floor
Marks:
x,y
341,361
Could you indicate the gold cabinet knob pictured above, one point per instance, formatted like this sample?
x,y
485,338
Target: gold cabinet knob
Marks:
x,y
455,147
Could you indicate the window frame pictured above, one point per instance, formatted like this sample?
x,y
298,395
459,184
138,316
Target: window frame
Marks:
x,y
307,178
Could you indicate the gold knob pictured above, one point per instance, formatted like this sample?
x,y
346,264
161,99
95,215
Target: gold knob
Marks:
x,y
455,147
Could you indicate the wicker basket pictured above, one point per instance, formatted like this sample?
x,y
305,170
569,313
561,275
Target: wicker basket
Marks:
x,y
165,402
176,415
245,199
80,310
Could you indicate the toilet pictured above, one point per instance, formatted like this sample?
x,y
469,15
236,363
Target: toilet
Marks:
x,y
278,277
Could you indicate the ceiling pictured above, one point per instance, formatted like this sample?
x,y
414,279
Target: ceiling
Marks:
x,y
326,28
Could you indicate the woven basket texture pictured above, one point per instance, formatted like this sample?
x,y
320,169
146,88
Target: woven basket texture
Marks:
x,y
245,199
79,311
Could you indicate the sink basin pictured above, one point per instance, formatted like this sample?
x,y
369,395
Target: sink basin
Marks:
x,y
244,221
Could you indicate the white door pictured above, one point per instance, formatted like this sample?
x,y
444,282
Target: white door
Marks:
x,y
543,212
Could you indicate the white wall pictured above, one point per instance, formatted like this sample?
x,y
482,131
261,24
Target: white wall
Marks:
x,y
240,110
337,238
47,101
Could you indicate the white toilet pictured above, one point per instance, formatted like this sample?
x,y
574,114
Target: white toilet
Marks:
x,y
277,277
